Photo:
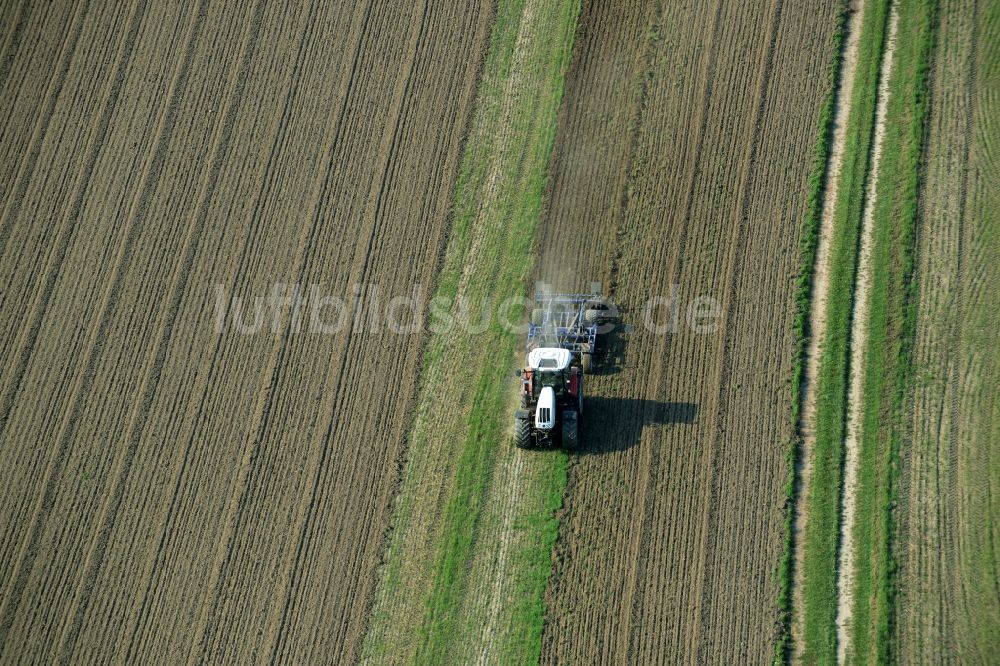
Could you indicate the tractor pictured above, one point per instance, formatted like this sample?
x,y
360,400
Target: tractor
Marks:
x,y
562,342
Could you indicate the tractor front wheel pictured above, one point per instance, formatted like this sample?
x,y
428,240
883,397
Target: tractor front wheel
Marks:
x,y
522,433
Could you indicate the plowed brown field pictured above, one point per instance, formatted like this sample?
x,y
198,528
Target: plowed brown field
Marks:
x,y
168,492
682,159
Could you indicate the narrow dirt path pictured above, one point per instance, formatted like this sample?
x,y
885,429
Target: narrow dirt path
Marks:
x,y
859,346
821,289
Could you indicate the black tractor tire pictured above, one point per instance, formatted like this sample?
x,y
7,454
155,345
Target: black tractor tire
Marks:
x,y
537,316
587,362
522,433
570,430
592,316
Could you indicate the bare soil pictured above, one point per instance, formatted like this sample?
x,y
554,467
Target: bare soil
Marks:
x,y
682,159
168,493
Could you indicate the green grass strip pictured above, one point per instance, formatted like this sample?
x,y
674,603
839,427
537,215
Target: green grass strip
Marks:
x,y
803,298
888,370
507,259
521,205
822,498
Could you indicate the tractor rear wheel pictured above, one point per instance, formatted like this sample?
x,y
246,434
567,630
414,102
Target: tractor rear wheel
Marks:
x,y
522,433
570,431
587,362
592,316
537,316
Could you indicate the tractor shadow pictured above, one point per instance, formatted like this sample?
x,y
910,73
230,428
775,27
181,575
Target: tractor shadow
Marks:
x,y
617,424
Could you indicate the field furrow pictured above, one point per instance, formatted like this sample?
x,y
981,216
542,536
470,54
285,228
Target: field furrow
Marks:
x,y
54,195
183,458
264,268
36,63
947,606
929,518
25,417
671,502
88,458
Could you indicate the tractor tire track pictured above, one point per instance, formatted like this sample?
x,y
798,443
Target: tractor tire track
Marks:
x,y
282,349
929,615
713,543
650,467
371,259
217,355
21,340
260,481
972,542
953,589
12,38
236,504
80,388
12,208
145,405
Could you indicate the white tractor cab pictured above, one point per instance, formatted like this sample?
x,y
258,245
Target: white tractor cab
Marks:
x,y
551,400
